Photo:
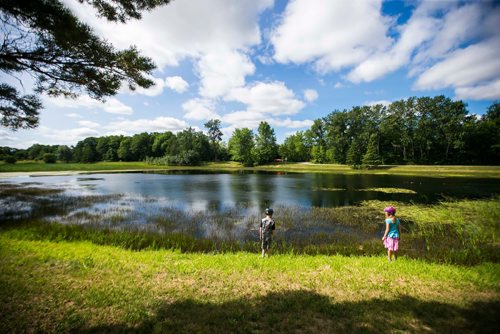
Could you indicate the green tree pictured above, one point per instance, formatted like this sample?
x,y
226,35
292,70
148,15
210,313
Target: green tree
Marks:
x,y
102,147
125,150
64,153
85,150
191,140
440,128
372,157
113,146
49,158
266,148
45,40
482,137
215,135
355,152
295,148
36,151
316,135
163,144
241,145
398,130
337,136
141,146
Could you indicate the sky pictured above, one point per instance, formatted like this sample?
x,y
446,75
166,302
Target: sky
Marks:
x,y
283,62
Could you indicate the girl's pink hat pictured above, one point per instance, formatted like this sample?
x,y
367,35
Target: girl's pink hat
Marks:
x,y
390,210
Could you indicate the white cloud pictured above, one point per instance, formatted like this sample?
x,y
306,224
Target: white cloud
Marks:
x,y
50,136
221,71
310,95
159,124
6,136
199,109
111,105
490,91
464,67
413,34
177,84
89,124
289,123
215,34
155,90
264,102
74,115
457,26
228,131
338,85
248,119
374,103
330,34
272,98
245,119
434,45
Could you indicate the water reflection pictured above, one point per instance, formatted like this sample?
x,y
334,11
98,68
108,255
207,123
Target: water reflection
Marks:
x,y
253,192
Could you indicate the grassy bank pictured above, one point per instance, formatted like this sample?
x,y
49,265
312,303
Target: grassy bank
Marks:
x,y
78,286
431,171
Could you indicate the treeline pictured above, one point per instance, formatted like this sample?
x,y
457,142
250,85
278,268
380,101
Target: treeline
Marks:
x,y
142,146
413,131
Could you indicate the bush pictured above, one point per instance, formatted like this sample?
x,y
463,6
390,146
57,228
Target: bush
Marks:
x,y
187,158
49,158
9,159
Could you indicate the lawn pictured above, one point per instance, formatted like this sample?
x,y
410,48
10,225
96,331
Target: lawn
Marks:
x,y
50,286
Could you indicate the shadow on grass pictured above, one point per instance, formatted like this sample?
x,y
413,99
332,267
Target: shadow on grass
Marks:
x,y
308,312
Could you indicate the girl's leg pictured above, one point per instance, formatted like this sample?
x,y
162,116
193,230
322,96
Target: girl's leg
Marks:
x,y
395,255
389,254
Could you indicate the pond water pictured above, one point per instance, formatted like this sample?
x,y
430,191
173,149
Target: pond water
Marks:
x,y
254,191
226,208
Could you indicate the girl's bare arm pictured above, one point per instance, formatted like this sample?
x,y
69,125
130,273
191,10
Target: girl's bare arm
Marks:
x,y
386,231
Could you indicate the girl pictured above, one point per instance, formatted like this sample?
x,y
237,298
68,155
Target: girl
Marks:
x,y
392,233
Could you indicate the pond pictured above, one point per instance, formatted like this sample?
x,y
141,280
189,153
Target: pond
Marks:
x,y
225,208
221,191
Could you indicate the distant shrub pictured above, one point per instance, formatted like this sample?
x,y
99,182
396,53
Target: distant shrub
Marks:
x,y
9,159
49,158
187,158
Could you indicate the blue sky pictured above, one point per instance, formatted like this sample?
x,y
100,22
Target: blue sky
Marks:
x,y
285,62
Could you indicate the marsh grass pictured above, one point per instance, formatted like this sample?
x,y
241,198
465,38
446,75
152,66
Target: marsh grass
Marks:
x,y
466,230
390,190
462,232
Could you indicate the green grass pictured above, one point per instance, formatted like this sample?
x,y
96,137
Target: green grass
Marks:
x,y
78,286
390,190
413,170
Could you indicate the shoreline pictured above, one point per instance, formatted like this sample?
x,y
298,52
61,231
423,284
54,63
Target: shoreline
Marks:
x,y
437,171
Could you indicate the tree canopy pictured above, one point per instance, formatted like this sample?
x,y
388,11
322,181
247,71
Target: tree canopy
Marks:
x,y
42,38
420,130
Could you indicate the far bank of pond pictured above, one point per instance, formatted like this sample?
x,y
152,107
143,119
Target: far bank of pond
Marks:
x,y
408,170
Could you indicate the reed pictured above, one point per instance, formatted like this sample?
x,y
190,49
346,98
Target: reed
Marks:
x,y
464,231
